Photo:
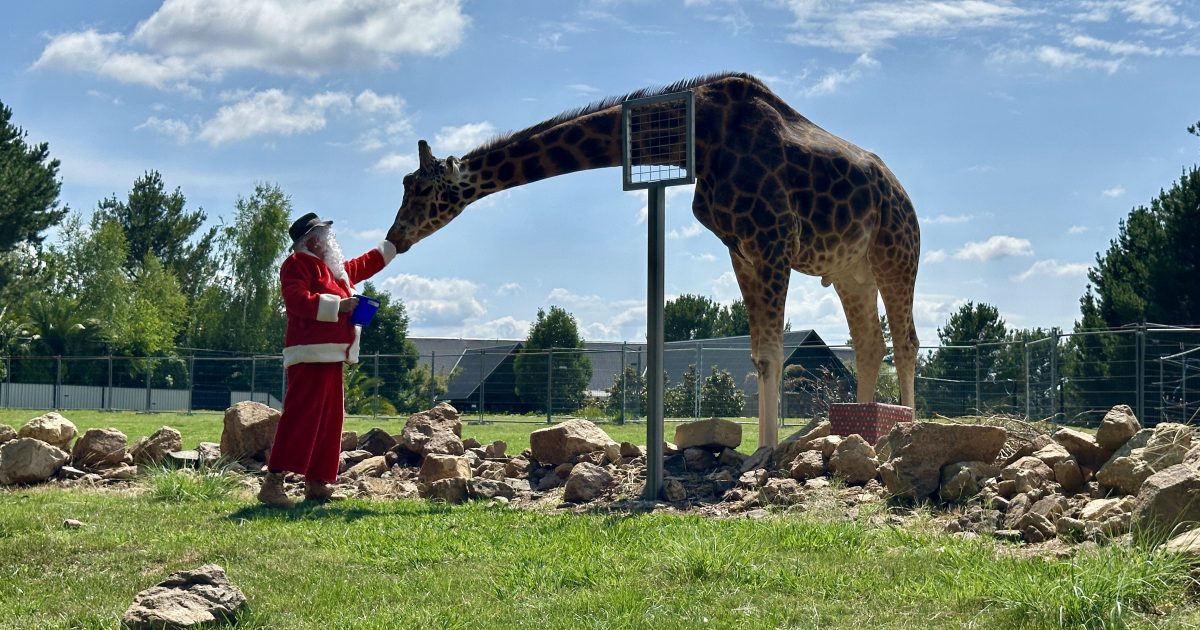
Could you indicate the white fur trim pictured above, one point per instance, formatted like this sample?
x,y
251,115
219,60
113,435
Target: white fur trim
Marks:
x,y
352,353
315,353
327,310
388,251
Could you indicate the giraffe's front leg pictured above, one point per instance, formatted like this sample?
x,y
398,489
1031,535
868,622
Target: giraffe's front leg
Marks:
x,y
764,290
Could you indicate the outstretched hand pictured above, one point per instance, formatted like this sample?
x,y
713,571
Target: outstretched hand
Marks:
x,y
347,304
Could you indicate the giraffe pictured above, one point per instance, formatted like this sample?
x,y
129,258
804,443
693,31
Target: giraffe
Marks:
x,y
780,192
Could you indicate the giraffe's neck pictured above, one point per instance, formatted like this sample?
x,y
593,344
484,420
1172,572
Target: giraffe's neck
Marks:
x,y
577,144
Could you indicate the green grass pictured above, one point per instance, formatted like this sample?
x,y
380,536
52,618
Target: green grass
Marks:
x,y
206,427
405,564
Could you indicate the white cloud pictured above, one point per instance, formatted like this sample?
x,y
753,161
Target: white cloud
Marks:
x,y
1070,60
584,88
436,301
507,327
868,26
200,39
1152,12
458,140
269,112
373,234
935,256
1077,229
702,257
1114,192
1115,48
1052,268
563,297
725,287
995,247
177,130
396,163
509,288
690,230
372,103
835,79
946,218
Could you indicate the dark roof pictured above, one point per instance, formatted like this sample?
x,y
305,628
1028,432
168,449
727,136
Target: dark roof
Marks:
x,y
444,353
476,366
732,354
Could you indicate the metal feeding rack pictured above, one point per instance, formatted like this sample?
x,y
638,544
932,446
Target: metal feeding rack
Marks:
x,y
657,150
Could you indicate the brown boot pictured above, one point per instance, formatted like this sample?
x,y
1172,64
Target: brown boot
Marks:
x,y
319,491
272,493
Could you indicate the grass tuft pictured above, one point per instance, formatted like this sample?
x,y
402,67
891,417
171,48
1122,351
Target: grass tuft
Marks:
x,y
207,482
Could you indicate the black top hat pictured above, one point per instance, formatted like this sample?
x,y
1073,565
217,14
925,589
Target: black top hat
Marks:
x,y
304,225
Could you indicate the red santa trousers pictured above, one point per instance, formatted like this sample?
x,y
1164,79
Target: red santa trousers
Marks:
x,y
308,439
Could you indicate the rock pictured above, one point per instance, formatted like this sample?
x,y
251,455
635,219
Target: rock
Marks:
x,y
1052,453
826,445
1017,508
72,524
51,428
1142,456
1099,509
29,460
350,458
1006,488
549,482
920,449
155,448
699,459
563,441
1008,535
70,472
1186,543
1029,473
478,488
99,448
451,490
963,480
1026,449
516,467
1033,535
1044,526
1068,475
437,467
210,452
1051,507
349,441
471,442
120,473
780,491
496,449
807,465
1118,426
799,441
854,460
1071,529
713,434
369,467
7,433
674,491
817,483
587,482
730,457
758,460
186,599
249,430
376,441
1083,447
629,449
437,430
1167,498
670,449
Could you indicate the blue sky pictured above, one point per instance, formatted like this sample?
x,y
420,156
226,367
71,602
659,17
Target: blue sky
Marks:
x,y
1024,131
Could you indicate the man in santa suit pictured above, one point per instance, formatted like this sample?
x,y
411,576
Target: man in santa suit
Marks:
x,y
318,285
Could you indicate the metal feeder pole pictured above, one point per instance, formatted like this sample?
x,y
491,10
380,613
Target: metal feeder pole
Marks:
x,y
655,283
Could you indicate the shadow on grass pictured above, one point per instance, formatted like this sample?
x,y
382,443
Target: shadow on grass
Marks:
x,y
347,511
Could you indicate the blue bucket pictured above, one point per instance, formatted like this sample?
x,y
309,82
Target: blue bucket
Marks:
x,y
365,311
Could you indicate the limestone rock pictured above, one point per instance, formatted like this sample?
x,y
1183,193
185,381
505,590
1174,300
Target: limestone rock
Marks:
x,y
451,490
713,434
436,467
1118,426
155,448
1186,543
1052,453
369,467
99,448
1083,447
827,445
674,491
799,441
209,452
29,460
629,449
7,433
1143,455
1099,509
376,441
51,428
781,491
1167,499
496,449
437,430
1068,475
559,443
699,459
121,472
349,441
854,460
963,480
587,482
919,450
1029,473
730,457
758,460
186,599
249,430
807,465
479,488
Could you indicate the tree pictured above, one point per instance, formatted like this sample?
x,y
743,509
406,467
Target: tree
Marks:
x,y
552,358
29,191
243,311
680,401
156,222
689,317
388,334
733,321
970,344
720,395
628,390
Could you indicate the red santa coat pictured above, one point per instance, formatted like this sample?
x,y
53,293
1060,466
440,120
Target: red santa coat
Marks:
x,y
316,331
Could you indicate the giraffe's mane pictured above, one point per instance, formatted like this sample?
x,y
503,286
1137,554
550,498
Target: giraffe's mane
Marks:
x,y
685,84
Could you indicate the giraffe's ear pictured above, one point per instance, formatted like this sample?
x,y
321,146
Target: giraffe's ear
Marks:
x,y
428,162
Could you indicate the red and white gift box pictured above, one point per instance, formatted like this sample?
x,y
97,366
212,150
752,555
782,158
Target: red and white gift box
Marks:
x,y
870,420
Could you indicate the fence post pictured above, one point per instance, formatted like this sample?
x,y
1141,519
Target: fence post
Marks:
x,y
699,379
8,381
253,373
108,405
482,383
149,374
1028,394
1055,386
191,381
978,384
1183,392
1162,402
432,378
621,420
1140,371
57,382
549,386
375,401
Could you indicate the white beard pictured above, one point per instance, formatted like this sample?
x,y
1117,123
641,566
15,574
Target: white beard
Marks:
x,y
331,253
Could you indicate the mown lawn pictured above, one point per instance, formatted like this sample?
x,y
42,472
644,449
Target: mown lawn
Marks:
x,y
407,564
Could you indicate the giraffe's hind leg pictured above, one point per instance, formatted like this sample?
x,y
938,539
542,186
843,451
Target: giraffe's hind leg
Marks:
x,y
764,290
897,295
859,296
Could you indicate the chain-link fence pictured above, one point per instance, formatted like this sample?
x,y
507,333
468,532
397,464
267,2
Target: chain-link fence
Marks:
x,y
1064,378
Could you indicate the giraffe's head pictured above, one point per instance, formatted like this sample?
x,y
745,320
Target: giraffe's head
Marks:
x,y
433,194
